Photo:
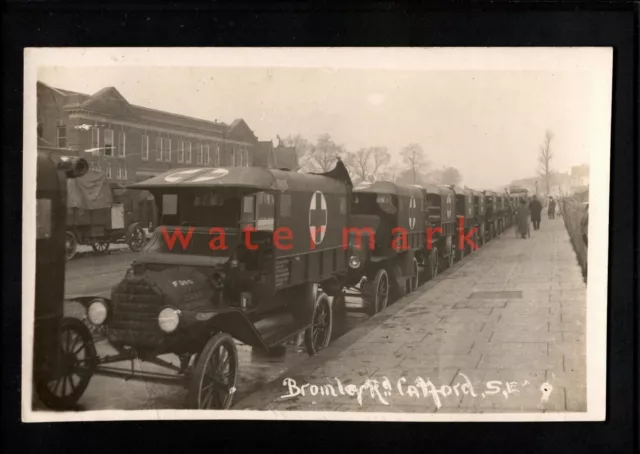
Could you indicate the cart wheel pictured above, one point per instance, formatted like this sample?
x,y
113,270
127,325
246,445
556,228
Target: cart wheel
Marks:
x,y
433,264
66,383
71,244
100,246
414,280
137,240
318,335
377,296
214,377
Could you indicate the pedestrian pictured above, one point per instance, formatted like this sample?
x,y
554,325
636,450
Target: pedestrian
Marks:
x,y
552,208
522,215
536,209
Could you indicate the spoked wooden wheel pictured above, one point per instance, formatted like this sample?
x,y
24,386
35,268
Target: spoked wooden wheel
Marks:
x,y
137,240
100,246
414,280
214,377
377,295
71,245
318,335
452,257
64,385
433,264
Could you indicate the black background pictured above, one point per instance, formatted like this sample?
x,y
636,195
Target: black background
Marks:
x,y
47,24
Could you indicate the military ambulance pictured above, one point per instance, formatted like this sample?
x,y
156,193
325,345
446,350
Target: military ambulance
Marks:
x,y
240,254
467,226
440,229
491,216
387,231
64,354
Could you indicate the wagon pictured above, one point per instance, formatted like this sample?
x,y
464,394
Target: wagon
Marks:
x,y
95,219
387,225
248,255
64,353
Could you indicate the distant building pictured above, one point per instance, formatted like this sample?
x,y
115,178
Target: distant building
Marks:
x,y
580,176
132,143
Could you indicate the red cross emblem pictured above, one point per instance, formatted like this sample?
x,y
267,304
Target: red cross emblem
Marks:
x,y
318,217
412,213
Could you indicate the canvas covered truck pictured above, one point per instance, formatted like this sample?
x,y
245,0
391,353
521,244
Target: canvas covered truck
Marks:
x,y
95,218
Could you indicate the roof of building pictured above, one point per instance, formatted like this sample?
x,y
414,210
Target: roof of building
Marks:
x,y
82,101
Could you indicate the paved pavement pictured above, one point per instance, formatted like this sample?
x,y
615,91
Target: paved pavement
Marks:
x,y
503,331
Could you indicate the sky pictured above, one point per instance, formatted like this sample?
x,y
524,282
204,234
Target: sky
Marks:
x,y
489,124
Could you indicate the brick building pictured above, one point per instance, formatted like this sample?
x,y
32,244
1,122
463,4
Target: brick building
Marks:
x,y
131,143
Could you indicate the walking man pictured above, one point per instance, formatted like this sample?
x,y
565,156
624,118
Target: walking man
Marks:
x,y
536,209
522,216
552,208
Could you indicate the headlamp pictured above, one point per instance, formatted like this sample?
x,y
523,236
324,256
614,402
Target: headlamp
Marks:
x,y
97,312
168,319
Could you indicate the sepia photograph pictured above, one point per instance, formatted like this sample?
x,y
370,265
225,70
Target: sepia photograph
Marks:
x,y
367,234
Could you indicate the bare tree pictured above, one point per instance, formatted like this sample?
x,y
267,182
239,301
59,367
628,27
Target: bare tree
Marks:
x,y
446,175
414,159
544,160
303,149
367,162
324,153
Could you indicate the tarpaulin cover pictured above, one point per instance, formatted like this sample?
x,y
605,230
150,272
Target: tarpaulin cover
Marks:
x,y
89,192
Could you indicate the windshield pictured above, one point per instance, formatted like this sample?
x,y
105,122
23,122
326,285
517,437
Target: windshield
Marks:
x,y
223,207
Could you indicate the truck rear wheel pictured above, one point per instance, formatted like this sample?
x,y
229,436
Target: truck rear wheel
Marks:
x,y
318,336
433,263
376,293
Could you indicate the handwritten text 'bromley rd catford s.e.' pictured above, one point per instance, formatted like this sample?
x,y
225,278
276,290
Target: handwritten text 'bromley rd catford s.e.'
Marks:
x,y
420,389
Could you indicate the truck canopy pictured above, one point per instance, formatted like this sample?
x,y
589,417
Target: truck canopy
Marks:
x,y
89,192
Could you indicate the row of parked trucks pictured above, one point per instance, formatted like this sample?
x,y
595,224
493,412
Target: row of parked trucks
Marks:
x,y
253,255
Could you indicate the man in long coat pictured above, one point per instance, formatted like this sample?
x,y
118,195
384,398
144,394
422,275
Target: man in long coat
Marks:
x,y
522,216
536,209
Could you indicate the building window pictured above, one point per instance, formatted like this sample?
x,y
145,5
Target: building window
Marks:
x,y
124,173
122,143
207,151
199,154
108,142
62,136
188,158
167,150
119,173
217,155
145,148
108,171
158,148
181,152
244,157
95,139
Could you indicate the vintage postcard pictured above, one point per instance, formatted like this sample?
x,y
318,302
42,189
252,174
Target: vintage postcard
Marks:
x,y
376,234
